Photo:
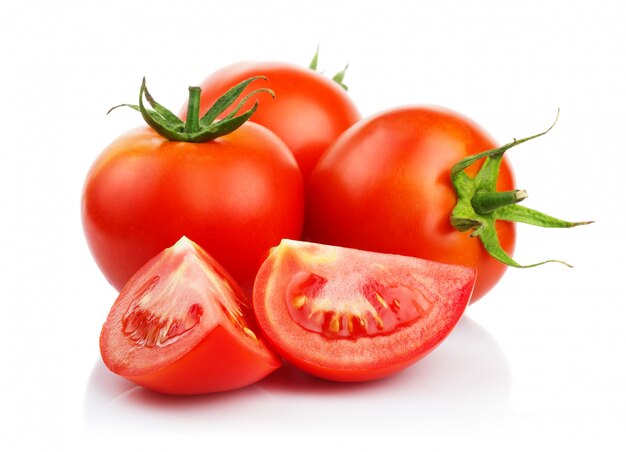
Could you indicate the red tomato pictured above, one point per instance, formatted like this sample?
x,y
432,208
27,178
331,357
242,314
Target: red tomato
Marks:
x,y
385,186
182,326
351,315
235,196
308,113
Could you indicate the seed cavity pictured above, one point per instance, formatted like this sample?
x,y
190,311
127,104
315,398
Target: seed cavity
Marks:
x,y
368,308
146,327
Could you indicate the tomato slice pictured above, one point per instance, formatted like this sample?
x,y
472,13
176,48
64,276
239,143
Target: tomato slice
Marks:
x,y
351,315
182,325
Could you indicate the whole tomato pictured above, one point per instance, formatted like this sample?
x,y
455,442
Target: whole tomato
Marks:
x,y
308,113
231,186
386,185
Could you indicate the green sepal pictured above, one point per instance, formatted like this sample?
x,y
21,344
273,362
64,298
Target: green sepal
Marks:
x,y
489,238
521,214
337,78
163,112
480,205
313,63
160,123
227,99
223,127
194,129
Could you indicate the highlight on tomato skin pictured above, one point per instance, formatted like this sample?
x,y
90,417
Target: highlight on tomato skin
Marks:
x,y
182,325
350,315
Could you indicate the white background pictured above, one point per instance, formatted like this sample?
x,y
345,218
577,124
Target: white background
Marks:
x,y
538,363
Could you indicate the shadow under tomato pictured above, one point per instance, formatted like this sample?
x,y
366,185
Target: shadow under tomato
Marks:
x,y
112,399
468,367
290,379
465,380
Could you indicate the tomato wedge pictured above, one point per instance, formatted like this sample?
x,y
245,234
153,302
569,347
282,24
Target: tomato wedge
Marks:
x,y
351,315
181,325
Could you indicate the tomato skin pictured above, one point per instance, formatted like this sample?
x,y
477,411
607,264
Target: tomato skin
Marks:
x,y
384,186
351,273
308,113
219,363
214,354
236,196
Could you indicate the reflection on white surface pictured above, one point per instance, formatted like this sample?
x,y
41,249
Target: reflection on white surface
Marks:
x,y
465,381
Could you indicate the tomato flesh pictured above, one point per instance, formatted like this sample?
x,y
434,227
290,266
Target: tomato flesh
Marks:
x,y
182,326
351,315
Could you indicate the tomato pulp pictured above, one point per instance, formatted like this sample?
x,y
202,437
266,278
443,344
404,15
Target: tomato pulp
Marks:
x,y
352,315
385,186
183,326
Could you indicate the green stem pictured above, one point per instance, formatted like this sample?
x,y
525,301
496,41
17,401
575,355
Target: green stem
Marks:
x,y
487,202
192,125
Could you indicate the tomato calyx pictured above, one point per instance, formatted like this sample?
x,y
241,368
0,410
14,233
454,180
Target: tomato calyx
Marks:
x,y
197,129
337,78
479,205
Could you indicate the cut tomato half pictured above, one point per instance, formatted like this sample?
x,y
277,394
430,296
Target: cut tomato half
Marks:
x,y
351,315
182,325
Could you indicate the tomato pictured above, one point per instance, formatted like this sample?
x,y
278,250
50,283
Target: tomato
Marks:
x,y
351,315
181,325
235,195
385,186
308,112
